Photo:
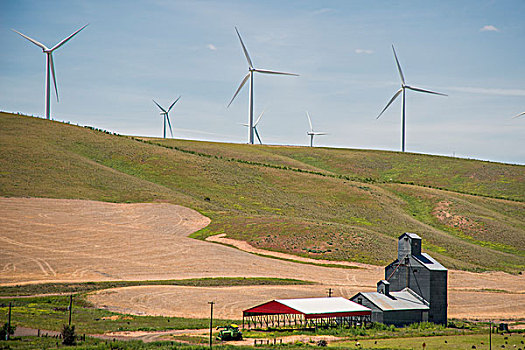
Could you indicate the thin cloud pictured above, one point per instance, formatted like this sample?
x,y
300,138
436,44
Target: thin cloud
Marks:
x,y
485,91
489,28
365,51
322,11
212,47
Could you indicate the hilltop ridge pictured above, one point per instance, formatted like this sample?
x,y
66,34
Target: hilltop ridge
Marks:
x,y
333,204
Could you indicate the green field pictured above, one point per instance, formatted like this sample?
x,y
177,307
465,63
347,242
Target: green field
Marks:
x,y
335,204
479,341
51,313
25,343
86,287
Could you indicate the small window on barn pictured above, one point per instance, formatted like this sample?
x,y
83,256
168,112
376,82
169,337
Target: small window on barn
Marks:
x,y
360,301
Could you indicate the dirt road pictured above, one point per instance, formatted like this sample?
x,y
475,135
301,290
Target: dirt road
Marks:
x,y
47,240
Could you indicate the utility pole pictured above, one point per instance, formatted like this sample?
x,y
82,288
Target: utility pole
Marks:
x,y
70,308
8,323
329,292
490,335
211,320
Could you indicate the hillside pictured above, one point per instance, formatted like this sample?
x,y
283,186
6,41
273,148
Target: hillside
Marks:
x,y
323,203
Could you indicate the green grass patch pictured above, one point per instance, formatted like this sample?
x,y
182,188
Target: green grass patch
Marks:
x,y
332,204
455,342
25,343
374,331
51,313
74,288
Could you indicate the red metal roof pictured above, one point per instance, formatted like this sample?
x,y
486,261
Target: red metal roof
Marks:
x,y
271,308
310,308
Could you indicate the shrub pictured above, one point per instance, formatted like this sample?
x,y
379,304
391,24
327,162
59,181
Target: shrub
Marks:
x,y
380,326
425,325
68,335
6,329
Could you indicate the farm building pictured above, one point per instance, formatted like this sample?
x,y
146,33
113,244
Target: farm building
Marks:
x,y
308,312
397,308
420,279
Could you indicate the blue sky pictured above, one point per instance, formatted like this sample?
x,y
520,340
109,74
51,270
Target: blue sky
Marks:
x,y
134,51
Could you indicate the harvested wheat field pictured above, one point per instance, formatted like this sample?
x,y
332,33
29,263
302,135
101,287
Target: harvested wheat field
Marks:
x,y
46,240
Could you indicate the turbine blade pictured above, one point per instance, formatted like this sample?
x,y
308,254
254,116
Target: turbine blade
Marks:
x,y
169,124
66,39
244,49
519,115
310,122
244,124
257,134
39,44
423,90
398,66
390,102
275,72
258,119
320,133
239,88
173,104
162,109
53,73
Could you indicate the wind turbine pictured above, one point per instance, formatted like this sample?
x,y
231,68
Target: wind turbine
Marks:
x,y
519,115
312,133
402,90
251,70
50,69
255,126
165,114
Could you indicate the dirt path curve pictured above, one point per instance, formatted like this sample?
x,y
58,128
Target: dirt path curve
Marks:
x,y
46,240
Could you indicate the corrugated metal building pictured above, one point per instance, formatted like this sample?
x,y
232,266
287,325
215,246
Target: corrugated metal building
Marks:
x,y
415,274
397,308
306,312
421,273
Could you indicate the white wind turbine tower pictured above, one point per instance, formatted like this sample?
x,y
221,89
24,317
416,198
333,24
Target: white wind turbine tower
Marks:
x,y
519,115
255,127
312,133
251,70
50,67
402,90
165,114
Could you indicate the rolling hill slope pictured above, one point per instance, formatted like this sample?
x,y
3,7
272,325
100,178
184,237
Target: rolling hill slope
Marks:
x,y
323,203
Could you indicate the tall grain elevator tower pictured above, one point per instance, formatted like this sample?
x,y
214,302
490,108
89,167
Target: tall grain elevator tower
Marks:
x,y
422,274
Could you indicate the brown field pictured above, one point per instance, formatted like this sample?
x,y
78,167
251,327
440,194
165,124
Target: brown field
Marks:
x,y
46,240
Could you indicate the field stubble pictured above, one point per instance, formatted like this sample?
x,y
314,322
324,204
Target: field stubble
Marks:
x,y
149,241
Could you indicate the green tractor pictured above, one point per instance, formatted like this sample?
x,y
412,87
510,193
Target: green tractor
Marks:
x,y
229,332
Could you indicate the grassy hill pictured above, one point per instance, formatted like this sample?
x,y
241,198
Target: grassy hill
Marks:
x,y
324,203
